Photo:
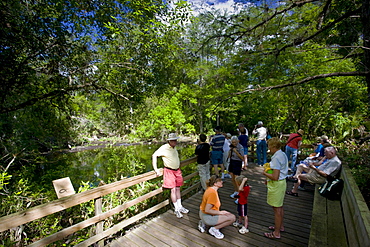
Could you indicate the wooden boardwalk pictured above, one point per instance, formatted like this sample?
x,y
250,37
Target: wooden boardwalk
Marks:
x,y
167,230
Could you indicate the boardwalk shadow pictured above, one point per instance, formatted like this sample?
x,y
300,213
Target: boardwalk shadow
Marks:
x,y
167,230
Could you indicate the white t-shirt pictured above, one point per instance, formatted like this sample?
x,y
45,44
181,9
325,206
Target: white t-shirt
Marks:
x,y
226,147
279,161
261,133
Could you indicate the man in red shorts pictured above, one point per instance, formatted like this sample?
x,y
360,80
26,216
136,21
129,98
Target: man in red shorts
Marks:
x,y
172,176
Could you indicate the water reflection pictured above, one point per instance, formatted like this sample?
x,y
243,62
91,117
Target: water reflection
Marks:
x,y
108,164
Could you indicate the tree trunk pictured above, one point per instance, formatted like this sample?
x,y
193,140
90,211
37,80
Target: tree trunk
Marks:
x,y
366,37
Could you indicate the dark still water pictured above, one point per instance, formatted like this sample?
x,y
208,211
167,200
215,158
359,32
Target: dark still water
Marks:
x,y
108,164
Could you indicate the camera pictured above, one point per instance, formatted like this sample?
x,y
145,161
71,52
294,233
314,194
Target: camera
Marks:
x,y
232,146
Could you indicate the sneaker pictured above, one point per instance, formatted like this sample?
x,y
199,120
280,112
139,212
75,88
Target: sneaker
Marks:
x,y
216,233
184,210
227,175
234,194
223,176
236,201
237,224
178,214
201,226
243,230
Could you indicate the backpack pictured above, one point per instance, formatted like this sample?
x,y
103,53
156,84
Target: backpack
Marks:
x,y
332,188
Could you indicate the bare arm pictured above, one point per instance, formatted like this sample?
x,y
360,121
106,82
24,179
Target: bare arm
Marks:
x,y
274,176
154,163
237,153
241,186
211,211
321,173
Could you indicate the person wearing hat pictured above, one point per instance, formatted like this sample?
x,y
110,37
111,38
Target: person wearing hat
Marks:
x,y
217,154
261,133
324,142
172,176
292,146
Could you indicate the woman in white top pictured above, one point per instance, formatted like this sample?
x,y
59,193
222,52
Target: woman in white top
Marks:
x,y
276,186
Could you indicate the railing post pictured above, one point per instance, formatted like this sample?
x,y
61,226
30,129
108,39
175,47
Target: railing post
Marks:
x,y
99,210
99,225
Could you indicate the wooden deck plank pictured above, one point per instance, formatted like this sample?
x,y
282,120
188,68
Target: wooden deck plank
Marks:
x,y
165,234
134,238
183,232
124,241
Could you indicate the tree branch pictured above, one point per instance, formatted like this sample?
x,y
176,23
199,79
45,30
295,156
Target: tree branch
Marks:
x,y
52,94
248,30
110,91
300,41
306,80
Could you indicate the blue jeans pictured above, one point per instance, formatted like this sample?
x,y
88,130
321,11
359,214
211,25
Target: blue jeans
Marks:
x,y
289,151
261,152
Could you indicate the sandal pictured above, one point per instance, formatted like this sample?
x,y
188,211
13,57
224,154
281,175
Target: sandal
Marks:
x,y
271,235
291,193
273,228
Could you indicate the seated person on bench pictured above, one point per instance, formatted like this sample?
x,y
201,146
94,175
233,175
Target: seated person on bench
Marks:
x,y
318,175
319,151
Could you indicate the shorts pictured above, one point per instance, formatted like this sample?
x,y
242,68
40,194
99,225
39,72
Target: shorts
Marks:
x,y
276,192
235,167
172,178
242,209
245,150
208,219
315,178
217,157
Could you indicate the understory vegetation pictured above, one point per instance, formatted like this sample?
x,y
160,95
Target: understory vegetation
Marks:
x,y
75,73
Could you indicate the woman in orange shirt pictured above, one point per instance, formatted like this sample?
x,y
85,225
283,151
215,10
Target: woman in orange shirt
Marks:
x,y
210,213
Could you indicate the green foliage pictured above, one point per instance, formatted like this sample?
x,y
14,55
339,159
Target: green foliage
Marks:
x,y
163,117
358,159
4,179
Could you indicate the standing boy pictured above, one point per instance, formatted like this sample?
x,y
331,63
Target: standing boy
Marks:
x,y
202,153
244,190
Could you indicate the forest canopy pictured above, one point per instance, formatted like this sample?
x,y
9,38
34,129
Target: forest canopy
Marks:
x,y
71,70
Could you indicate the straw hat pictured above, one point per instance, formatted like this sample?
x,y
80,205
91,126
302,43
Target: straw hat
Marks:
x,y
172,137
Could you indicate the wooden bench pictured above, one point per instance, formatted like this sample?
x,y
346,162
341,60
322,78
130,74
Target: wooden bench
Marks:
x,y
327,224
341,223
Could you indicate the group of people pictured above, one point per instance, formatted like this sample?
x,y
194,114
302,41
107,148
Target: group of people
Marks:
x,y
235,157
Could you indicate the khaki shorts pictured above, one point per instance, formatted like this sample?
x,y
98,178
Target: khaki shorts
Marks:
x,y
315,178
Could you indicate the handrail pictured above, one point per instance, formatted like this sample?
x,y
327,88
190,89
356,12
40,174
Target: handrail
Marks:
x,y
16,219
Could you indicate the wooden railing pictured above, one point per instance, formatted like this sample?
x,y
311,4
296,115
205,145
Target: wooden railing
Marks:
x,y
305,150
355,211
20,218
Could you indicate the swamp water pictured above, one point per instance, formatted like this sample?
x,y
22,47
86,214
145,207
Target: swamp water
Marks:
x,y
107,164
